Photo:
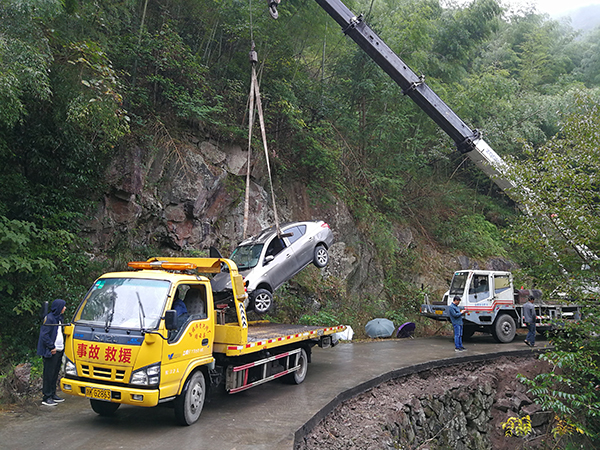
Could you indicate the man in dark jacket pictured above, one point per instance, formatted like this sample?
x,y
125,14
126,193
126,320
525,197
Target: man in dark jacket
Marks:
x,y
51,347
456,317
529,318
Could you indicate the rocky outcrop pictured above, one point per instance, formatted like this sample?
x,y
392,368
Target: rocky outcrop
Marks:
x,y
176,195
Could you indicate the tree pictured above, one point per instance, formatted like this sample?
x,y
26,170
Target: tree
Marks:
x,y
559,185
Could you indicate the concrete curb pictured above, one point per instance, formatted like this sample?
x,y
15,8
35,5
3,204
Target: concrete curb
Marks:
x,y
303,431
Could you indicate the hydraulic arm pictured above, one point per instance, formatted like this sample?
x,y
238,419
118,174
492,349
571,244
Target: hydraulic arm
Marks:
x,y
467,141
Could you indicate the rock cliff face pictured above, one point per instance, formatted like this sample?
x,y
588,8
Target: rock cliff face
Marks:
x,y
184,194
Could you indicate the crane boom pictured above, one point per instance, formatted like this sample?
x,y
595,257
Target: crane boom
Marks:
x,y
467,141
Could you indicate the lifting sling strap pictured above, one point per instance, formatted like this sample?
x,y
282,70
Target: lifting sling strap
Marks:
x,y
255,103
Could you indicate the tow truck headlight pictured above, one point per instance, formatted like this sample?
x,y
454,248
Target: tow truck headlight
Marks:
x,y
147,376
70,368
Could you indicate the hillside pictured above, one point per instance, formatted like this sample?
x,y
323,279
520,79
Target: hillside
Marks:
x,y
584,19
124,135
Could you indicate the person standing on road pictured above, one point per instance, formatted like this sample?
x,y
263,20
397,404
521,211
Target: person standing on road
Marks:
x,y
51,345
456,317
529,318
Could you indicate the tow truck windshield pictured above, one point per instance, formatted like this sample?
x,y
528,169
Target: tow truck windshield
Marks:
x,y
120,302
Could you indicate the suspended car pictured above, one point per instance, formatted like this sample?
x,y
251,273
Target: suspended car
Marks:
x,y
268,260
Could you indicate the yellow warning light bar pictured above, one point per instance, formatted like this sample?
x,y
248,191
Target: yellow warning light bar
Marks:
x,y
165,265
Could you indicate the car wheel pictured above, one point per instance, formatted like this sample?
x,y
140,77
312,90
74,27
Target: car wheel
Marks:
x,y
321,257
299,375
262,301
189,404
103,408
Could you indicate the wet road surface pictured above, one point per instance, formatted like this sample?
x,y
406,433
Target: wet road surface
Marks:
x,y
264,418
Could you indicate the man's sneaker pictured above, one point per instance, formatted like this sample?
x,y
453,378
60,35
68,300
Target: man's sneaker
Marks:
x,y
457,350
57,399
527,342
49,402
462,349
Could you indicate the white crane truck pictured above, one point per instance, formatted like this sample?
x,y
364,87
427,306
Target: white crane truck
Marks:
x,y
493,305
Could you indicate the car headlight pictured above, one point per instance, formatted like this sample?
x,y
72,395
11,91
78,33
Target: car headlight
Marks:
x,y
146,376
70,368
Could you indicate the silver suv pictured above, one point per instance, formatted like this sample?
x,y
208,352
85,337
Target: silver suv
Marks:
x,y
267,260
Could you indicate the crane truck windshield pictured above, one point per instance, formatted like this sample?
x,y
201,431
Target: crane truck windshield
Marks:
x,y
124,303
459,281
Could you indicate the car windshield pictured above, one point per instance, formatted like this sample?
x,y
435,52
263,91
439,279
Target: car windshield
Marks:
x,y
458,283
246,256
129,303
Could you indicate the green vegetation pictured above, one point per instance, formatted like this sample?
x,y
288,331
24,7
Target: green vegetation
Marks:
x,y
80,81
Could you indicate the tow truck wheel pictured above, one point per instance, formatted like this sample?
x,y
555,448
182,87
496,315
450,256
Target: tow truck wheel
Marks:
x,y
189,404
262,301
321,256
104,408
299,375
504,329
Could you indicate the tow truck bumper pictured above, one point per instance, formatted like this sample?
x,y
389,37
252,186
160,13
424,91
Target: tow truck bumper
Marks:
x,y
114,394
436,312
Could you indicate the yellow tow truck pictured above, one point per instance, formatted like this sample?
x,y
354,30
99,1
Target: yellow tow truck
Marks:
x,y
130,343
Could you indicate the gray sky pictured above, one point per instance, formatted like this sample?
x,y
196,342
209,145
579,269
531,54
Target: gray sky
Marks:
x,y
553,7
557,7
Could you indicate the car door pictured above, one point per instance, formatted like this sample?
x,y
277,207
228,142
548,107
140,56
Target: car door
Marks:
x,y
302,247
279,269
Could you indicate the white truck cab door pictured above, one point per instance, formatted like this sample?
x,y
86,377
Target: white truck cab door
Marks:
x,y
479,289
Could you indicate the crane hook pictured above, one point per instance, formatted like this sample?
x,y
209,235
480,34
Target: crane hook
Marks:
x,y
273,8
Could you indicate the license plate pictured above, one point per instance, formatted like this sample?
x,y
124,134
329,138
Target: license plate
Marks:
x,y
439,312
101,394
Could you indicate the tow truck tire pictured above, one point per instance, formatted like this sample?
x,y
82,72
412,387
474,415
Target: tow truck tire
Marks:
x,y
299,375
189,404
262,301
104,408
504,329
321,257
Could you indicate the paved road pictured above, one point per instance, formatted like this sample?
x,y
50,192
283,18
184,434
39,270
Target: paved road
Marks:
x,y
264,418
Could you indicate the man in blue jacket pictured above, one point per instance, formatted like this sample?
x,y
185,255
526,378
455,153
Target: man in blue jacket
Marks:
x,y
456,317
51,346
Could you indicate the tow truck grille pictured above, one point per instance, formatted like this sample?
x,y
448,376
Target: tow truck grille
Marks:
x,y
103,372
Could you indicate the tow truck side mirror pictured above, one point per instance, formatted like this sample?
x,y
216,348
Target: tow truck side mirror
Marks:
x,y
171,319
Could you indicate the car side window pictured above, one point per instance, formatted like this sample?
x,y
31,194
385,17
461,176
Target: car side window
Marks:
x,y
275,246
295,232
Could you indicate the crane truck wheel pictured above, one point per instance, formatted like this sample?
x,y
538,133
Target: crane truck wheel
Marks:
x,y
321,257
468,331
189,404
299,375
504,329
104,408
